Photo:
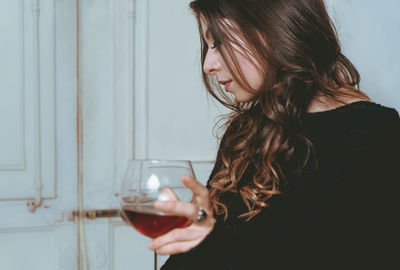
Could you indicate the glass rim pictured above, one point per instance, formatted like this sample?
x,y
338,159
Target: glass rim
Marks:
x,y
163,162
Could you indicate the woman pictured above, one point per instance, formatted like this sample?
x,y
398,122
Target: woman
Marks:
x,y
305,176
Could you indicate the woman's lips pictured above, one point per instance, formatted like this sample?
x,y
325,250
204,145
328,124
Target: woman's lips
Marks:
x,y
226,84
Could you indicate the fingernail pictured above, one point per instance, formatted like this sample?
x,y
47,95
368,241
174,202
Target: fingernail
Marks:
x,y
150,245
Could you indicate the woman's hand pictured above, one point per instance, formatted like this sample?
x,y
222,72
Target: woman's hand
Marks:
x,y
183,239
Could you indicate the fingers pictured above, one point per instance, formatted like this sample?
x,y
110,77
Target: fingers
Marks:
x,y
177,208
177,247
182,240
171,205
178,240
168,194
197,188
176,235
200,192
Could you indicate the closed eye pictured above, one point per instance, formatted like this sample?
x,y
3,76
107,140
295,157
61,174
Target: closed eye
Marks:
x,y
215,45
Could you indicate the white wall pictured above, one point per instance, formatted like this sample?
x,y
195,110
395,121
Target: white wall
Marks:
x,y
370,36
180,116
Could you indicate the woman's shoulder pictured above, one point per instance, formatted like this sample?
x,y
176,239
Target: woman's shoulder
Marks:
x,y
357,125
358,112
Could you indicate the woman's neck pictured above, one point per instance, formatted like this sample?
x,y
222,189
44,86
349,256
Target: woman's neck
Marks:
x,y
322,103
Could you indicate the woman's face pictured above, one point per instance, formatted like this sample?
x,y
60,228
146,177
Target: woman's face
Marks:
x,y
215,65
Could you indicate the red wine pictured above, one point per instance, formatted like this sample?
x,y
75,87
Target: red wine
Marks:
x,y
153,225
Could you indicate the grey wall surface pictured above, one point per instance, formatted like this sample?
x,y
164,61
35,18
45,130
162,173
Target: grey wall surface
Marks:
x,y
370,36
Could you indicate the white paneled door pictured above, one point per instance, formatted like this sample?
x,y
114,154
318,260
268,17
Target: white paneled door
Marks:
x,y
38,158
139,86
85,86
107,57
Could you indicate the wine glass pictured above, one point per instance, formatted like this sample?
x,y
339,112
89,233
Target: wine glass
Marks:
x,y
146,181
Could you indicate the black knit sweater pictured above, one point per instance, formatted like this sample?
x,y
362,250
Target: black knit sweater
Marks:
x,y
344,214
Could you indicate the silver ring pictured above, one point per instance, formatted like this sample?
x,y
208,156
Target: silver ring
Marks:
x,y
201,215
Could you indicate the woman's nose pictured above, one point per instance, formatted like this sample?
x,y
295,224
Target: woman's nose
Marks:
x,y
212,63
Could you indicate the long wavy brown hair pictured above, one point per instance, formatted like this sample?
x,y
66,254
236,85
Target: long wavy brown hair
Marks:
x,y
296,46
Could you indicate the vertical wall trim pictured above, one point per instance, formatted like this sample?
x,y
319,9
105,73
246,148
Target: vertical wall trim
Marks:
x,y
130,105
22,165
34,204
54,106
79,138
141,84
115,91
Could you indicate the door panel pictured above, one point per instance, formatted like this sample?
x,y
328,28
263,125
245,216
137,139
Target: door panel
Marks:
x,y
38,171
22,251
28,156
12,156
126,243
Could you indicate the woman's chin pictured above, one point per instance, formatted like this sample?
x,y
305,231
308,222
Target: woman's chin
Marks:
x,y
244,98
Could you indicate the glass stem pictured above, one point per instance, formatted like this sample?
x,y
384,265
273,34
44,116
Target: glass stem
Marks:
x,y
155,261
